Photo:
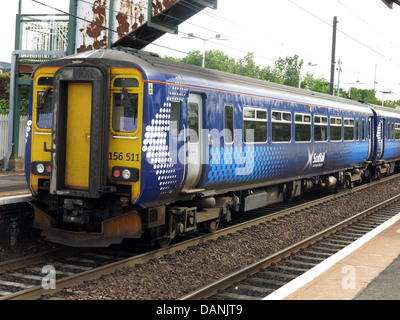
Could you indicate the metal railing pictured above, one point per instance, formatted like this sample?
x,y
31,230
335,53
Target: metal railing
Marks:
x,y
4,135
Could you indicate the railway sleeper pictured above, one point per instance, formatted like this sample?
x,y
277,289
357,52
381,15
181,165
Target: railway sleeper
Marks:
x,y
234,296
248,291
291,268
258,281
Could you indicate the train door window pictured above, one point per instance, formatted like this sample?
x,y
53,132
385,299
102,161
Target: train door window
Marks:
x,y
281,126
348,129
302,127
175,117
336,129
357,129
228,124
255,125
320,128
363,129
397,131
389,127
193,122
44,103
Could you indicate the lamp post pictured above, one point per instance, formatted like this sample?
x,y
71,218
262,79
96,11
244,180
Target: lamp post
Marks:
x,y
383,96
192,36
310,64
339,69
357,82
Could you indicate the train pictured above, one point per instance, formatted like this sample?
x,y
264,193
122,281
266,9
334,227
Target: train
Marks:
x,y
122,144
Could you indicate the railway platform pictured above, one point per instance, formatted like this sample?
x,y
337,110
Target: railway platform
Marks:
x,y
13,187
368,269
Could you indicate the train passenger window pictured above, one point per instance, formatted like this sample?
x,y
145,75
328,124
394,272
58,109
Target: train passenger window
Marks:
x,y
302,127
320,128
175,117
348,129
389,126
397,131
125,109
393,131
357,129
255,125
363,129
336,129
228,124
44,109
281,126
193,122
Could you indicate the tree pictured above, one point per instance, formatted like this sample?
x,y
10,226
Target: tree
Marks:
x,y
288,70
315,84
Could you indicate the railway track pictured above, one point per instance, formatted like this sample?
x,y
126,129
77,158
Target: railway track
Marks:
x,y
76,266
264,277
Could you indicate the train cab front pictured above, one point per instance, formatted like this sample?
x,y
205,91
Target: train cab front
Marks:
x,y
85,117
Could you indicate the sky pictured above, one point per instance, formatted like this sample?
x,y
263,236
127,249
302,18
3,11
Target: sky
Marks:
x,y
368,37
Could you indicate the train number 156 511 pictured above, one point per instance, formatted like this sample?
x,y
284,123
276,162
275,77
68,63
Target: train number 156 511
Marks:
x,y
123,156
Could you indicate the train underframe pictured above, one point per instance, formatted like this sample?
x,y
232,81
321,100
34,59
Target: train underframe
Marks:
x,y
110,219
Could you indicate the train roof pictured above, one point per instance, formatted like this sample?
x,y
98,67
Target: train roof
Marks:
x,y
180,73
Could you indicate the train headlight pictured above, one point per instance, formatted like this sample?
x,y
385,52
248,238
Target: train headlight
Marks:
x,y
41,168
125,174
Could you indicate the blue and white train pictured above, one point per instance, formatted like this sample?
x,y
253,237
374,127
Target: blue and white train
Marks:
x,y
123,144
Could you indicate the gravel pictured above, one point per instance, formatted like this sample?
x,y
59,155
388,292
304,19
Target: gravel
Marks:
x,y
178,274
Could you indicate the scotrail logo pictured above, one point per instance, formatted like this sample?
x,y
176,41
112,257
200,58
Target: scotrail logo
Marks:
x,y
315,159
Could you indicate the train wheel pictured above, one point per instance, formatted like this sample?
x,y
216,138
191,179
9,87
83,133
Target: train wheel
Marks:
x,y
164,242
211,226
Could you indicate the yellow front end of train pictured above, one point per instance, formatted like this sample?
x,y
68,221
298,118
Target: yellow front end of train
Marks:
x,y
86,138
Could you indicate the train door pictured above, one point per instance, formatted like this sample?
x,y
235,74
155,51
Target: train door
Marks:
x,y
194,143
381,138
78,135
370,133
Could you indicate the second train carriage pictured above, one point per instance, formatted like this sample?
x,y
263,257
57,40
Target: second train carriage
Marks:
x,y
121,142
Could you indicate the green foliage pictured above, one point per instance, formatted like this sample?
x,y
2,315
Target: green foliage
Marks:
x,y
3,106
5,92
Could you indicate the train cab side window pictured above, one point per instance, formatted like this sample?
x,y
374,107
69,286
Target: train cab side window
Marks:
x,y
255,125
44,108
320,128
336,129
302,127
228,124
281,126
348,129
125,109
175,117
